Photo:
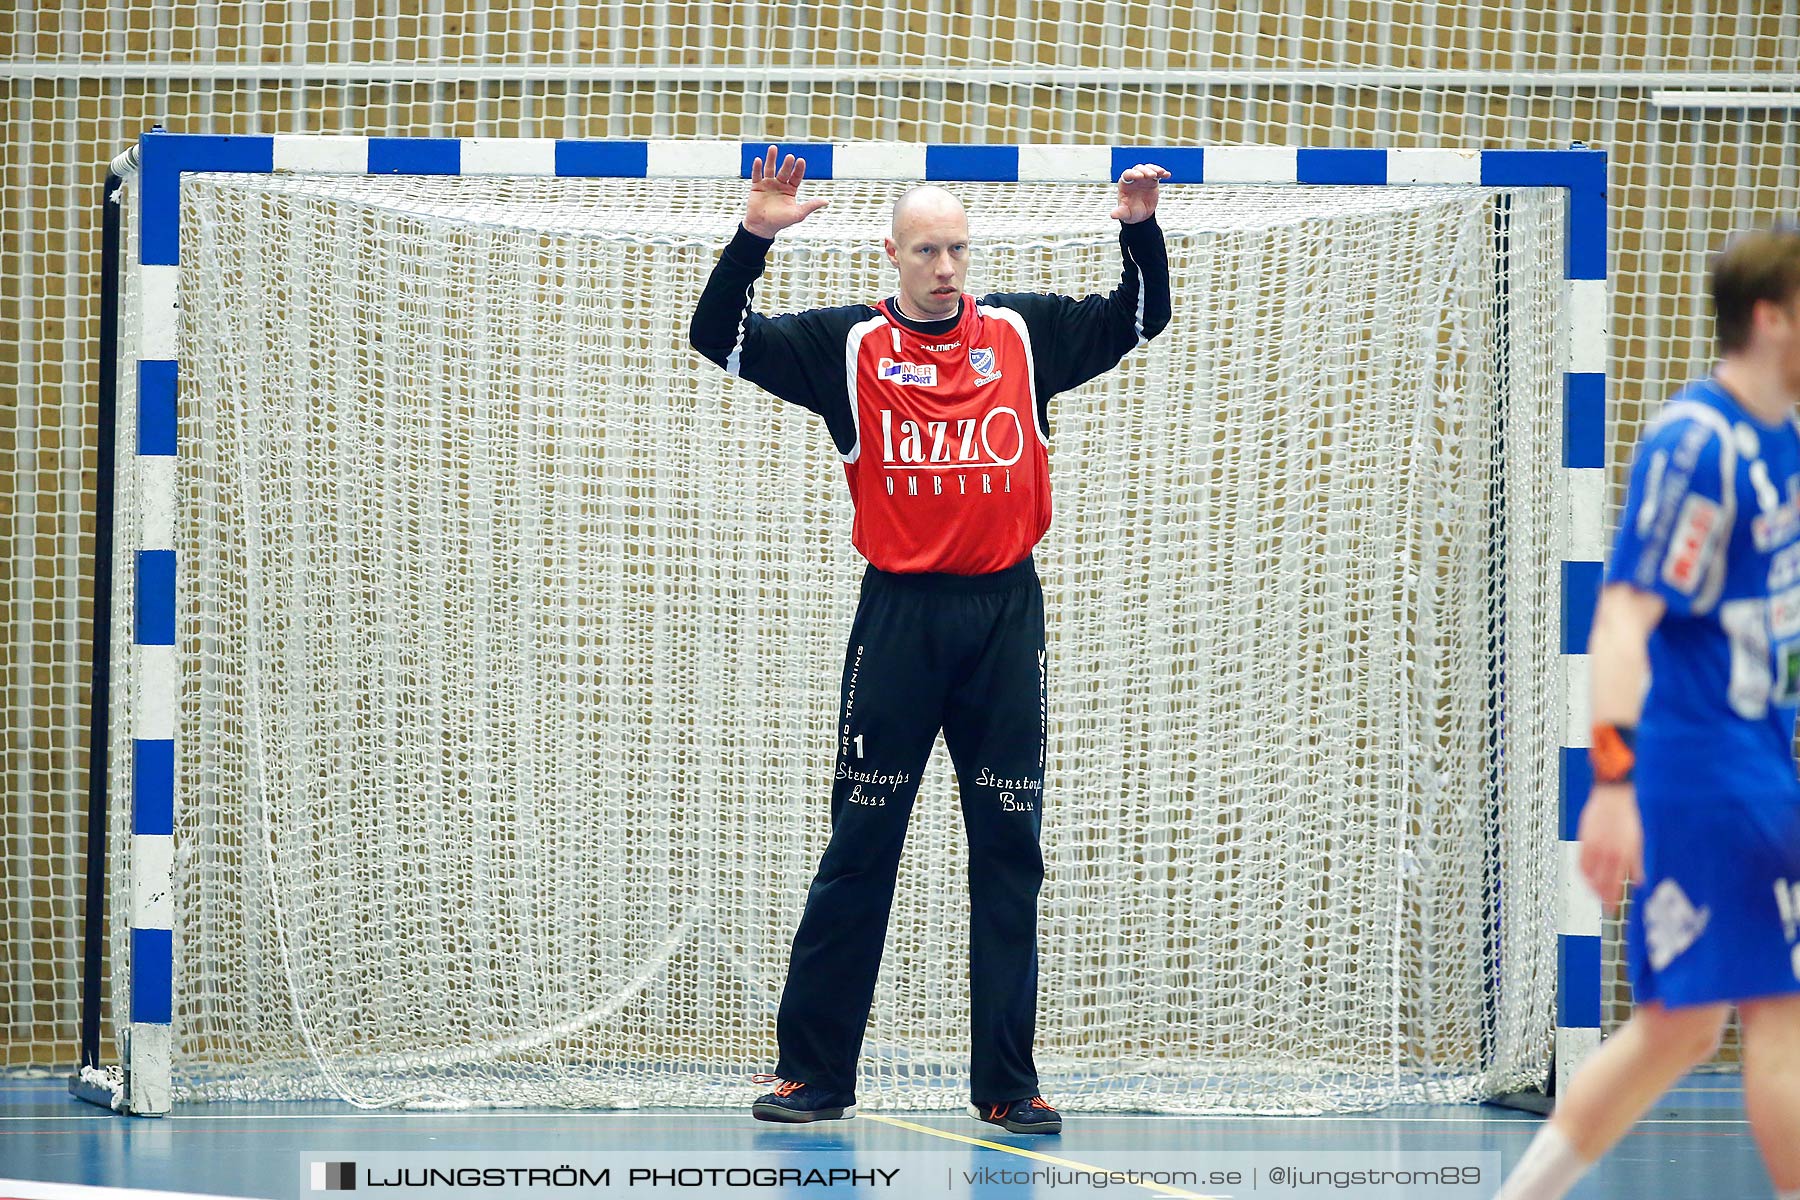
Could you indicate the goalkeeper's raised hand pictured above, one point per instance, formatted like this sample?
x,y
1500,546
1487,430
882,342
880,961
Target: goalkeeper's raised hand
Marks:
x,y
774,204
1138,191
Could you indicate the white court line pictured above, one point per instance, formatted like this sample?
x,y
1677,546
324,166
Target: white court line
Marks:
x,y
1084,1118
26,1189
1159,1188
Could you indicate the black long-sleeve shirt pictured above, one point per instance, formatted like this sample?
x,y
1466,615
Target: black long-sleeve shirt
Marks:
x,y
799,356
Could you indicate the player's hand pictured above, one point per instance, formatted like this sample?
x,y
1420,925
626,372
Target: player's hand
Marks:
x,y
1138,188
1612,842
774,204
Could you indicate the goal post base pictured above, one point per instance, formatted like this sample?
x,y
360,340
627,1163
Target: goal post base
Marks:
x,y
102,1088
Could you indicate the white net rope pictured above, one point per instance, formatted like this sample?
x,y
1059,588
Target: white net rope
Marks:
x,y
511,632
78,81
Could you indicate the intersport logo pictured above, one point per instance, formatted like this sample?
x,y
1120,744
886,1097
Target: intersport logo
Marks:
x,y
914,374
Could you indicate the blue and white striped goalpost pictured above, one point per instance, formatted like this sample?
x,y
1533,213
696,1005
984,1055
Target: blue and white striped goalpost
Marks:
x,y
162,158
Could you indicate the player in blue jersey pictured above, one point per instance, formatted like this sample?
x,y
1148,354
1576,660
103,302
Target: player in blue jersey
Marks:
x,y
1695,798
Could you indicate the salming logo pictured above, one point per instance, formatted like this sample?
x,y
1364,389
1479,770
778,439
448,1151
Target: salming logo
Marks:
x,y
1671,923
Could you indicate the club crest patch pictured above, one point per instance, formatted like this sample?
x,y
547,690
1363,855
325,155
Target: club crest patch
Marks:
x,y
982,360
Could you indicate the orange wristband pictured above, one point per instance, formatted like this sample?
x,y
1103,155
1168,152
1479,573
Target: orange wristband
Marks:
x,y
1611,753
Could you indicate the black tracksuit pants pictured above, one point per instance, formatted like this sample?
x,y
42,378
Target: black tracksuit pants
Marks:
x,y
965,654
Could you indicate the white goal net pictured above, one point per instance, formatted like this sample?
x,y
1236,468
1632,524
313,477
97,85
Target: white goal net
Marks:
x,y
510,629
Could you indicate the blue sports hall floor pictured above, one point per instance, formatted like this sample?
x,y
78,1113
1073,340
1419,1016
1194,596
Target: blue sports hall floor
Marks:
x,y
1696,1145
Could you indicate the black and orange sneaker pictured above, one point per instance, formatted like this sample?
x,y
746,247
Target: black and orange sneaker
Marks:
x,y
796,1103
1030,1115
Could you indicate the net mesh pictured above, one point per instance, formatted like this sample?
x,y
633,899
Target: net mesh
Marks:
x,y
511,632
80,80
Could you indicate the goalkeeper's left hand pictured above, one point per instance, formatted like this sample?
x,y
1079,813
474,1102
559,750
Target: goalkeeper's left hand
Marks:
x,y
1138,188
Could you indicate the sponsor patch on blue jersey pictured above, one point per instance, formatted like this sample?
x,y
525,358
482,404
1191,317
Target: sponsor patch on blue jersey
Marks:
x,y
1694,544
1779,525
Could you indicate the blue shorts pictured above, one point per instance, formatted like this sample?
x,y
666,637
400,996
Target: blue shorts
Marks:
x,y
1717,917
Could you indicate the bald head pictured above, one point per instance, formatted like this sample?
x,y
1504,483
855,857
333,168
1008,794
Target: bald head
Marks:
x,y
925,203
930,247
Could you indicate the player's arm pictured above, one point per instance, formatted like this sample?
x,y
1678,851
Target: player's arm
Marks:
x,y
1612,840
797,356
1669,558
1072,340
